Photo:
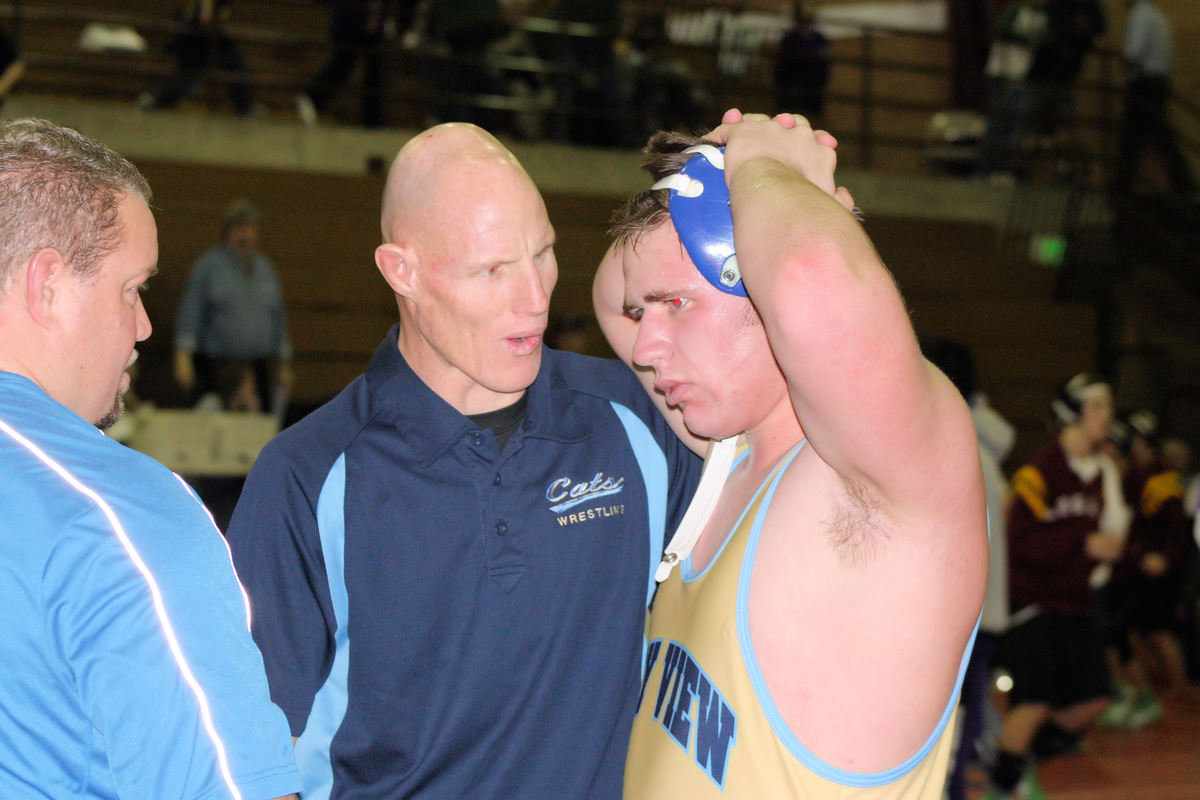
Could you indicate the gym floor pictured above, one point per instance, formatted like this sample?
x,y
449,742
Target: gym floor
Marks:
x,y
1158,762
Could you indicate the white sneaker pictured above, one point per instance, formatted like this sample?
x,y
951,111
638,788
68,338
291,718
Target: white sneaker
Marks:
x,y
1030,788
1118,711
1146,711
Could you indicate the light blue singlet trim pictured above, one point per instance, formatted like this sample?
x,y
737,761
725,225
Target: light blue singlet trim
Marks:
x,y
686,572
329,705
775,718
653,464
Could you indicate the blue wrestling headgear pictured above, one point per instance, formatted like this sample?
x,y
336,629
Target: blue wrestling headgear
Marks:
x,y
700,212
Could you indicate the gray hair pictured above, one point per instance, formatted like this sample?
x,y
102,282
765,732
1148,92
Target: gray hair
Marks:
x,y
60,189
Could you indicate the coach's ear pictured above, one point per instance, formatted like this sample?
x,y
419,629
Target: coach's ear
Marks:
x,y
397,264
45,277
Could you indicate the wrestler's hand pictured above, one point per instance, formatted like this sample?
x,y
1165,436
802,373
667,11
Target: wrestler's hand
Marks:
x,y
734,116
797,147
185,371
285,376
1104,547
1154,565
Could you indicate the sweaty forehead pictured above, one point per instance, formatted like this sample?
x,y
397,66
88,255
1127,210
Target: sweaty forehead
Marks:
x,y
654,255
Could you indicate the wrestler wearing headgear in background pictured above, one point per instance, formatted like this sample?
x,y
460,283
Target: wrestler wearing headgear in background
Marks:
x,y
1066,526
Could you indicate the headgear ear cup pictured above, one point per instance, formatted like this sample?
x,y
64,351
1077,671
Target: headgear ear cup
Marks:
x,y
1068,406
699,207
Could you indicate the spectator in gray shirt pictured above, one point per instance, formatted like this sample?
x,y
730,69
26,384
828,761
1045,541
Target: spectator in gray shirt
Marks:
x,y
232,315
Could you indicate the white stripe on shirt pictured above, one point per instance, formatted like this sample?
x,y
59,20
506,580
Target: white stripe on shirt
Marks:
x,y
159,607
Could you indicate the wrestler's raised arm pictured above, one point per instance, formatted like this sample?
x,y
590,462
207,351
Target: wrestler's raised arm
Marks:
x,y
872,407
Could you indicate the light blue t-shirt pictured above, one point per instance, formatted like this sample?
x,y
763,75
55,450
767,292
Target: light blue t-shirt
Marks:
x,y
126,666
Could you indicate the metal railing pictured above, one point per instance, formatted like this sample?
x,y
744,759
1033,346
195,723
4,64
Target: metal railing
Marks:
x,y
281,60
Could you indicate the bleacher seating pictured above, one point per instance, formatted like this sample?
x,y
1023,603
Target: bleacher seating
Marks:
x,y
321,228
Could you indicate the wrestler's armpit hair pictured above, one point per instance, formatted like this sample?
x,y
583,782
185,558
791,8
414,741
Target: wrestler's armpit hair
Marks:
x,y
60,189
648,209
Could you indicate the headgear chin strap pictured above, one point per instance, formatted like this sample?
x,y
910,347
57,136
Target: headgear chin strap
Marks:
x,y
700,212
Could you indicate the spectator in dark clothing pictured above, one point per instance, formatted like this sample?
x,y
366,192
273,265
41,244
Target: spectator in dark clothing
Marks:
x,y
12,66
1074,26
571,333
802,66
195,47
970,24
468,29
666,94
1149,56
358,30
590,85
1144,595
1019,32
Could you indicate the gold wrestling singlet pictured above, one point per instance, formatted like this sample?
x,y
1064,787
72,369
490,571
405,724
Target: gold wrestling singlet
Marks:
x,y
706,724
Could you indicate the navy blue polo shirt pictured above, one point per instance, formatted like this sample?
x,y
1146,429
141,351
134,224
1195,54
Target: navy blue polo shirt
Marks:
x,y
440,619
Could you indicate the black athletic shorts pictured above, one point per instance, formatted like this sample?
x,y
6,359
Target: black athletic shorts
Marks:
x,y
1056,659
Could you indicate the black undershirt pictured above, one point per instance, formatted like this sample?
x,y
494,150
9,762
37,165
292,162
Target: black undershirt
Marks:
x,y
503,421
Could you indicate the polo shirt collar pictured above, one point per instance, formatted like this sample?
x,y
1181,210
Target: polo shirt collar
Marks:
x,y
431,426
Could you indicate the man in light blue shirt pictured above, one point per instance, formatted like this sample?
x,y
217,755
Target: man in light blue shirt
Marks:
x,y
126,669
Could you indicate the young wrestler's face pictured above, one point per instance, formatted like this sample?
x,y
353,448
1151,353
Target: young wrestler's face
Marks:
x,y
104,318
708,349
480,297
1096,415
